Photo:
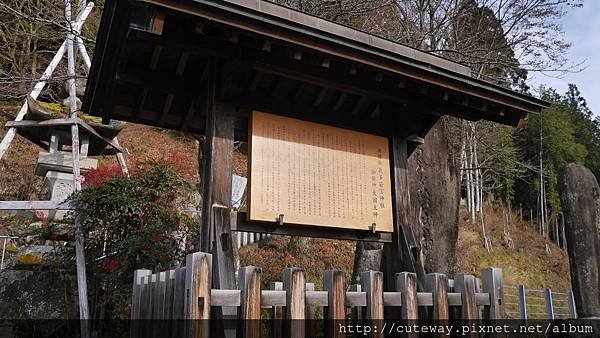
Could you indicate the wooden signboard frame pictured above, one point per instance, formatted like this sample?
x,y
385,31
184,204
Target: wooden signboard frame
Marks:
x,y
315,175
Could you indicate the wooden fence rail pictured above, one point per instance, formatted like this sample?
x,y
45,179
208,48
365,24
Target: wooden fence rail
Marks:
x,y
186,293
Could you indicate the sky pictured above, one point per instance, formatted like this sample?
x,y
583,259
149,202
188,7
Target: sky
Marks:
x,y
582,29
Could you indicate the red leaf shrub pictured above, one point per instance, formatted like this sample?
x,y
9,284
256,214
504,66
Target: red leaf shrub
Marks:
x,y
96,177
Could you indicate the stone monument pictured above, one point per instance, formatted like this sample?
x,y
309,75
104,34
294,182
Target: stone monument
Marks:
x,y
580,198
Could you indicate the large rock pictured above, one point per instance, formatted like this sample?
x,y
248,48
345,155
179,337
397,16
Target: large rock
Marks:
x,y
435,196
580,198
37,295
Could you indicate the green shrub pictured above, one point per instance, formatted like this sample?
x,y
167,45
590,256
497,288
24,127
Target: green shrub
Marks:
x,y
131,223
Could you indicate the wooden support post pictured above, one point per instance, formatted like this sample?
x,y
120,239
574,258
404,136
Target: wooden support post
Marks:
x,y
198,285
334,282
277,314
549,304
465,285
79,235
522,301
372,283
178,329
571,305
494,286
250,301
217,170
437,284
406,283
402,253
295,286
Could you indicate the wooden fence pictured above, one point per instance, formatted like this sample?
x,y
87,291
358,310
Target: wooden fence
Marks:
x,y
524,303
186,293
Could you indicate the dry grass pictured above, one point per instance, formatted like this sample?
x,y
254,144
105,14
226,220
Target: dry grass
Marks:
x,y
527,263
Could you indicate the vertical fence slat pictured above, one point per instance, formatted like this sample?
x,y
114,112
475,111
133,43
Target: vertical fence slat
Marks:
x,y
571,305
372,283
250,301
549,304
137,291
153,295
198,283
169,294
145,298
295,286
406,283
179,294
335,284
465,285
161,289
437,284
493,285
522,301
277,314
137,312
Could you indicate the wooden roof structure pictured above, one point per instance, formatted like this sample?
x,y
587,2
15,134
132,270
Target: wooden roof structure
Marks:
x,y
153,57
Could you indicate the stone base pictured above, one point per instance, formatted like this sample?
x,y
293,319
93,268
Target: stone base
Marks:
x,y
60,186
61,161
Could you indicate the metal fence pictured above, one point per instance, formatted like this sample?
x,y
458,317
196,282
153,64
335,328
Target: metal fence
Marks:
x,y
523,303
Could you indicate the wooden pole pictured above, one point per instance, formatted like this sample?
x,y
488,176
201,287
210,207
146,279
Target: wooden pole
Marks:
x,y
465,285
250,301
295,286
372,284
79,235
197,294
406,283
334,281
437,284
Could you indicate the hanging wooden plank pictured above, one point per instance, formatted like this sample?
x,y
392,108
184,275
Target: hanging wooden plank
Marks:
x,y
345,185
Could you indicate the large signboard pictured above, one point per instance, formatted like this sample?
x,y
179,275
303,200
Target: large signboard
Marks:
x,y
318,175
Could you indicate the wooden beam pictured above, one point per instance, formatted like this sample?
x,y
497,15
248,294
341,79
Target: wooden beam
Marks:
x,y
239,222
34,205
